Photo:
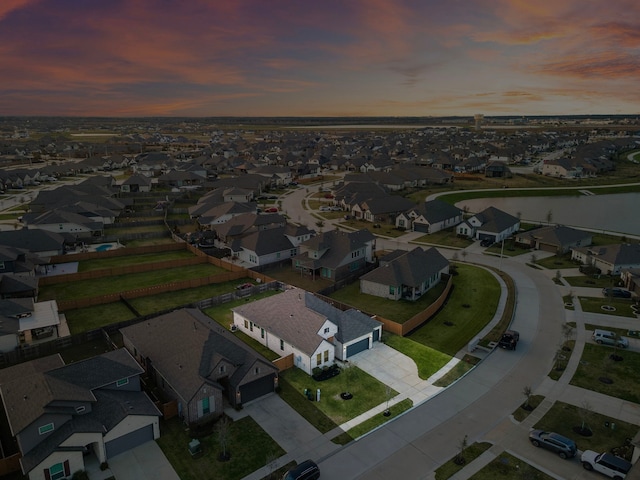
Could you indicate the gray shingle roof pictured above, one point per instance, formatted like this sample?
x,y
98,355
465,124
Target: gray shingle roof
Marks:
x,y
411,269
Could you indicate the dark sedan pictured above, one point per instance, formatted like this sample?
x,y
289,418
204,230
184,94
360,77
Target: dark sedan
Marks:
x,y
563,446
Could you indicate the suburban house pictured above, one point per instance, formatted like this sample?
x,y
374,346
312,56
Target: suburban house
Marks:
x,y
610,259
39,242
433,216
405,275
491,224
336,255
136,183
23,321
265,246
60,413
383,209
631,279
558,239
62,221
300,324
199,364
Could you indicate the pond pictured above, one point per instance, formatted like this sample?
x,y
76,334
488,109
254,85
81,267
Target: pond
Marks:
x,y
618,213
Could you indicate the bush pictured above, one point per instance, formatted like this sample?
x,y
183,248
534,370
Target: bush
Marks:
x,y
325,373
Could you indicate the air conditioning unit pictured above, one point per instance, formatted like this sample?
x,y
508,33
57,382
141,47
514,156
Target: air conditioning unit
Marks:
x,y
233,327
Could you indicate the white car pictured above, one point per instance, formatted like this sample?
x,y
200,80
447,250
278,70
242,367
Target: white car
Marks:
x,y
324,208
605,463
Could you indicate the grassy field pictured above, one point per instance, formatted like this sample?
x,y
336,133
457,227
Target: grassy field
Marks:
x,y
112,262
446,237
367,392
374,422
622,306
90,318
250,447
122,283
563,418
596,364
428,360
399,311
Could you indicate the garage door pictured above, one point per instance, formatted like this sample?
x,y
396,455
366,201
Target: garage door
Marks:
x,y
129,441
357,347
421,227
376,335
256,389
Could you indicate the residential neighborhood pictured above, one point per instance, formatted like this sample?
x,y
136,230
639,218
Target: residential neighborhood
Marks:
x,y
211,276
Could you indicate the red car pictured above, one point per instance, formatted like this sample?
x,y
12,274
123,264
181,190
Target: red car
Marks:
x,y
272,210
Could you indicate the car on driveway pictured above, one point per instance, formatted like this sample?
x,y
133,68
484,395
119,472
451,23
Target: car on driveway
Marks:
x,y
486,242
605,463
616,292
509,340
606,337
563,446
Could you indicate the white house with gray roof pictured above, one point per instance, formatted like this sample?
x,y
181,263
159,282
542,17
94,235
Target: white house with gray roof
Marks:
x,y
300,324
610,259
433,216
407,275
491,223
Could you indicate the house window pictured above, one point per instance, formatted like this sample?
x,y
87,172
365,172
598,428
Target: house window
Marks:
x,y
392,290
1,265
281,344
251,326
293,254
319,359
222,368
401,223
122,382
246,323
326,355
326,330
45,428
278,255
57,471
205,406
80,409
262,333
256,370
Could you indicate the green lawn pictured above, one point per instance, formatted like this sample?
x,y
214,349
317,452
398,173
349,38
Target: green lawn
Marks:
x,y
595,364
521,413
374,422
474,287
251,448
428,360
100,263
510,467
590,281
469,454
563,417
556,262
366,390
467,363
91,318
622,306
446,237
120,283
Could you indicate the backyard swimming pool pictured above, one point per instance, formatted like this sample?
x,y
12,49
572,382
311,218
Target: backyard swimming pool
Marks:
x,y
104,247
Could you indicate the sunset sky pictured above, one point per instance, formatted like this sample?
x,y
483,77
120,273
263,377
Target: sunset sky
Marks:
x,y
319,58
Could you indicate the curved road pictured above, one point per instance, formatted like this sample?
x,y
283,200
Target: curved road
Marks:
x,y
480,404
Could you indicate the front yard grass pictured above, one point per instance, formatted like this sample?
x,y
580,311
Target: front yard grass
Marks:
x,y
595,364
599,281
460,368
367,392
376,421
428,360
473,451
249,445
563,417
447,237
508,466
557,262
622,306
521,413
120,283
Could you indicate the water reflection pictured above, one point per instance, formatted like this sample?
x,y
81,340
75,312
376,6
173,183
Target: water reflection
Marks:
x,y
612,213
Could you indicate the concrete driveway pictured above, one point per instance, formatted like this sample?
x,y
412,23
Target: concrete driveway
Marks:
x,y
146,462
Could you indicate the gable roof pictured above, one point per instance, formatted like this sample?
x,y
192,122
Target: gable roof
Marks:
x,y
616,254
557,235
336,245
494,220
185,344
410,268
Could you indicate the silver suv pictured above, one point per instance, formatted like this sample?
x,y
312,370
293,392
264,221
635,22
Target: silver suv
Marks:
x,y
606,337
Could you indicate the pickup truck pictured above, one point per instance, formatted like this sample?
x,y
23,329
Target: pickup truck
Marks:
x,y
509,340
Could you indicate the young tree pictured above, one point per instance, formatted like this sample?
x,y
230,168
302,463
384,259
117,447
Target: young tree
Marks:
x,y
567,331
586,412
462,446
222,430
527,392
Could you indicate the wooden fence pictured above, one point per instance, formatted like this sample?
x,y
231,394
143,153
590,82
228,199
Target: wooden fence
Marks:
x,y
284,363
10,464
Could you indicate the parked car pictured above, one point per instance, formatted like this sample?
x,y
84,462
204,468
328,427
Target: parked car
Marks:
x,y
616,292
605,463
486,242
325,208
307,470
272,210
563,446
509,340
606,337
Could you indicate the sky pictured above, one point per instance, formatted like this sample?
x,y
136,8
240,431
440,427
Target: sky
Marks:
x,y
199,58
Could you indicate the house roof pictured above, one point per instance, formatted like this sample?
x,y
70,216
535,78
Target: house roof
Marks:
x,y
34,240
495,221
337,246
184,345
297,316
264,242
557,235
411,268
616,254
